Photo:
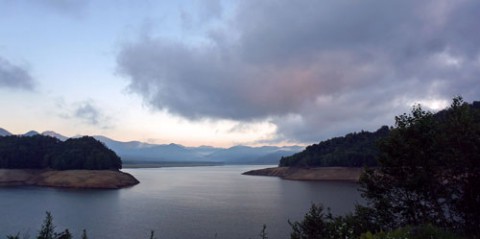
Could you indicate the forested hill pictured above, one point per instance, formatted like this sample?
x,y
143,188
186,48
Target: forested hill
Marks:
x,y
39,152
351,150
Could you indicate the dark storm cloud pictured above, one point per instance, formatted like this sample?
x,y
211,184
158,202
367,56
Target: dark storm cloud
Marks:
x,y
314,68
14,76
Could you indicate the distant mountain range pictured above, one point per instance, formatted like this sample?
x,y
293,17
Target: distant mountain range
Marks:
x,y
139,152
53,134
3,132
135,151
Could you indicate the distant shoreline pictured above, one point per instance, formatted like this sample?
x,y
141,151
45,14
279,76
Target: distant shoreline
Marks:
x,y
311,174
128,165
76,179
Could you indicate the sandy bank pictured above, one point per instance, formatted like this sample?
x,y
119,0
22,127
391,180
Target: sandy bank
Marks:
x,y
101,179
311,174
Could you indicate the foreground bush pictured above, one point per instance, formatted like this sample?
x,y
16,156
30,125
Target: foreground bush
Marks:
x,y
48,231
412,232
318,224
429,171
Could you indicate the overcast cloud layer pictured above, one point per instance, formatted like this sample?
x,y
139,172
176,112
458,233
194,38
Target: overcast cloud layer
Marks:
x,y
315,69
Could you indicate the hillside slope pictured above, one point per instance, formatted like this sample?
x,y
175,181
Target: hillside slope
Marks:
x,y
351,150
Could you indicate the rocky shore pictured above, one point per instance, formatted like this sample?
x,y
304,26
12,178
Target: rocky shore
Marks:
x,y
95,179
311,174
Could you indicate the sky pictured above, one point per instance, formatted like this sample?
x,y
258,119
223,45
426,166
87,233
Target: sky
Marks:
x,y
231,72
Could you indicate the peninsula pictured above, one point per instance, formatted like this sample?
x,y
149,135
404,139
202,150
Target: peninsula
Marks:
x,y
79,179
335,159
349,174
45,161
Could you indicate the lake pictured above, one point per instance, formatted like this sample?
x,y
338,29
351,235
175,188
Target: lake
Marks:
x,y
182,202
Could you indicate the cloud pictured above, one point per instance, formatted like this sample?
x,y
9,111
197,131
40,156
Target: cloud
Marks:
x,y
315,69
88,113
202,13
14,76
210,9
85,112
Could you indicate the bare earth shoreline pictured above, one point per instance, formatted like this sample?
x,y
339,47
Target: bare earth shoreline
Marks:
x,y
311,174
99,179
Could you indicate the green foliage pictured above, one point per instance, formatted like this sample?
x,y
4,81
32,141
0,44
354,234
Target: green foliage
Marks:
x,y
83,153
350,225
405,187
412,232
317,224
26,152
341,226
313,225
429,171
48,229
460,150
352,150
40,151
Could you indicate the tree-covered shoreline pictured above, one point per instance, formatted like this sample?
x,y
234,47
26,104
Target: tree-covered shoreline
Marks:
x,y
357,149
45,152
351,150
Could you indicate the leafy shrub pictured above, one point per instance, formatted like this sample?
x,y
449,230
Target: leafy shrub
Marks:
x,y
412,232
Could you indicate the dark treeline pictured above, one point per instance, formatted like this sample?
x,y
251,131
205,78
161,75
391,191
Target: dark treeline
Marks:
x,y
352,150
39,152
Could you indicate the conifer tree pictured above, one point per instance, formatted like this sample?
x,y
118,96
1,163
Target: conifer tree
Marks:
x,y
48,229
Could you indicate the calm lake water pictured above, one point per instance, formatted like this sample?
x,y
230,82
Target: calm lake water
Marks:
x,y
189,202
